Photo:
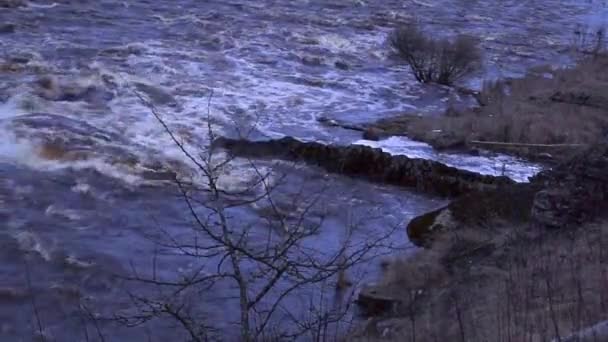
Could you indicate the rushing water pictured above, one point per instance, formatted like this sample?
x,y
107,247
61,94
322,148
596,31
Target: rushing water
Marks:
x,y
81,156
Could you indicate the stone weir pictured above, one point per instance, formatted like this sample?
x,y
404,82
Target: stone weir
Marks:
x,y
369,163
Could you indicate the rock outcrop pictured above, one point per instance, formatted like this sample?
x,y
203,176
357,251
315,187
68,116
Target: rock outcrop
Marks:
x,y
369,163
568,195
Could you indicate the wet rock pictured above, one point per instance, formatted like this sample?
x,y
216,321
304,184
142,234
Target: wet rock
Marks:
x,y
313,82
312,61
7,28
12,3
157,95
52,90
511,203
341,65
376,300
336,123
569,195
421,229
19,59
369,163
374,134
55,151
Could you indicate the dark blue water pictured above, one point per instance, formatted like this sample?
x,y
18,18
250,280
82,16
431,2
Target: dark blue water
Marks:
x,y
84,196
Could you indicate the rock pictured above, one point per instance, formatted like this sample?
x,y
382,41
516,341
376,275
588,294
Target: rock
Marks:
x,y
569,195
312,61
159,175
156,95
123,51
512,203
369,163
372,133
376,300
12,3
7,28
52,90
336,123
341,65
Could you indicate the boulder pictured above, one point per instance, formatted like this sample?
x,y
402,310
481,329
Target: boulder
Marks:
x,y
369,163
157,96
52,90
341,65
312,61
569,195
512,203
372,133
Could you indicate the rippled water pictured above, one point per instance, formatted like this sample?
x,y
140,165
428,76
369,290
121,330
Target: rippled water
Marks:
x,y
82,159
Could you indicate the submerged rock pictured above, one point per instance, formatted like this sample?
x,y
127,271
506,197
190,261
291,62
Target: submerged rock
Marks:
x,y
369,163
341,65
7,28
373,134
12,3
156,95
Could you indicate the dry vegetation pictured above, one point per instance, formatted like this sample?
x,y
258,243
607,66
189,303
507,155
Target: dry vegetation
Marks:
x,y
501,285
564,106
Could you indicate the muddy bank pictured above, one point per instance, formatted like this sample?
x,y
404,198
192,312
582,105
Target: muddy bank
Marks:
x,y
369,163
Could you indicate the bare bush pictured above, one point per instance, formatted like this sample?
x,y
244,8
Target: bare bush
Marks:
x,y
549,112
441,61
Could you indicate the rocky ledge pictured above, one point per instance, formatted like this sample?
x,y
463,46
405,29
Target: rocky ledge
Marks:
x,y
370,163
567,196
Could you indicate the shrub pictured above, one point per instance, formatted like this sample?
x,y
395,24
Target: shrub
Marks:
x,y
441,61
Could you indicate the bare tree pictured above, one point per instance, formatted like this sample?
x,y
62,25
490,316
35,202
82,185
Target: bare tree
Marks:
x,y
266,260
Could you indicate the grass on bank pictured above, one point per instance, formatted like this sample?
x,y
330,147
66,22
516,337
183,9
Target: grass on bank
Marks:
x,y
501,285
550,107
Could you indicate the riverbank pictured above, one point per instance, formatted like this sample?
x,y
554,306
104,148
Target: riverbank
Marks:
x,y
547,115
525,262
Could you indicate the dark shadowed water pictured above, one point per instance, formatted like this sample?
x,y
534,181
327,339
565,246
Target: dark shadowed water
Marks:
x,y
78,199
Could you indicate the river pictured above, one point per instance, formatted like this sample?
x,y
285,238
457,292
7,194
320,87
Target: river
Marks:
x,y
82,158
